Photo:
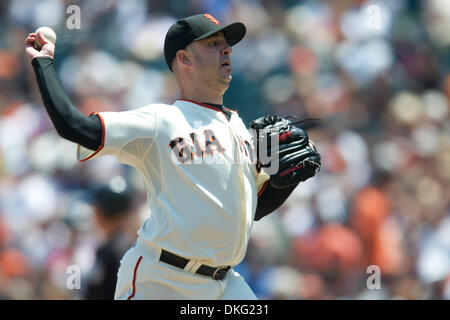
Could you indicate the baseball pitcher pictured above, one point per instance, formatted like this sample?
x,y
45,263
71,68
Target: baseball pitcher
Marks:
x,y
205,178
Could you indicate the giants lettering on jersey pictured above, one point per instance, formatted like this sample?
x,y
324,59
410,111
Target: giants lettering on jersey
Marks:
x,y
185,149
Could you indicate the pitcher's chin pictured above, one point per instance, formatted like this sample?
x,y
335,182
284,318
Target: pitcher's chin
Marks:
x,y
227,78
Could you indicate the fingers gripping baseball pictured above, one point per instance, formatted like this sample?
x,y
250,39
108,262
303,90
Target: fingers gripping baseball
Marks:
x,y
40,43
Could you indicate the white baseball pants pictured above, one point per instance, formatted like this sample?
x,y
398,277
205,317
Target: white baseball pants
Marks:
x,y
142,276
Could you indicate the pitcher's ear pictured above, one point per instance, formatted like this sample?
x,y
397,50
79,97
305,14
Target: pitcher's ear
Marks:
x,y
184,58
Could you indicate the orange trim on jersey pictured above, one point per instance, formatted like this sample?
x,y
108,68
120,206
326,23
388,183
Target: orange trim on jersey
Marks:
x,y
263,188
103,138
134,278
208,106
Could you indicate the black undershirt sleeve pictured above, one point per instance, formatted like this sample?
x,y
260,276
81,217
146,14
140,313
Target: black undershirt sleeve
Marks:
x,y
271,199
69,122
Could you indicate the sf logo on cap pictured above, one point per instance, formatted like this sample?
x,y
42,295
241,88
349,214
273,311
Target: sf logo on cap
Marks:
x,y
210,17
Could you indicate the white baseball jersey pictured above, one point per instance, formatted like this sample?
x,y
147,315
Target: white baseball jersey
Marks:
x,y
199,173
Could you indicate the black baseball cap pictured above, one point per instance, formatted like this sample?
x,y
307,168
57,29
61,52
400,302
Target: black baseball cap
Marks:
x,y
197,27
113,199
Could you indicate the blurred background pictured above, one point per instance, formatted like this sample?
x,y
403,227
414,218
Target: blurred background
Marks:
x,y
377,74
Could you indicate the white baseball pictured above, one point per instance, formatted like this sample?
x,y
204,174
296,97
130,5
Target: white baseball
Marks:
x,y
48,34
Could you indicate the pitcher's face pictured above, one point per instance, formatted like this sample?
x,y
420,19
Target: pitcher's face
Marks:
x,y
211,60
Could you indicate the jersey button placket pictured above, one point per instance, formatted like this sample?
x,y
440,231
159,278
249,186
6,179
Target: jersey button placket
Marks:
x,y
237,156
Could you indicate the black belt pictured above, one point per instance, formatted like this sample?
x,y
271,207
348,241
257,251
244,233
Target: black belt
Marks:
x,y
180,262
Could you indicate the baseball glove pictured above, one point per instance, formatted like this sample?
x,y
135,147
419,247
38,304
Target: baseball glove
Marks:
x,y
287,145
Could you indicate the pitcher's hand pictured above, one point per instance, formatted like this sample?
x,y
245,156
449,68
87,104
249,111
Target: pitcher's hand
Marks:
x,y
47,50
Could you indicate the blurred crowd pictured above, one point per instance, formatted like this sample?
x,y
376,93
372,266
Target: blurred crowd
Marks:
x,y
376,74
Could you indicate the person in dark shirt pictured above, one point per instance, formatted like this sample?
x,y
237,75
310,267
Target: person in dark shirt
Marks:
x,y
113,204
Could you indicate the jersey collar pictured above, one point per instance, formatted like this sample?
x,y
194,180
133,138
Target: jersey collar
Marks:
x,y
216,107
